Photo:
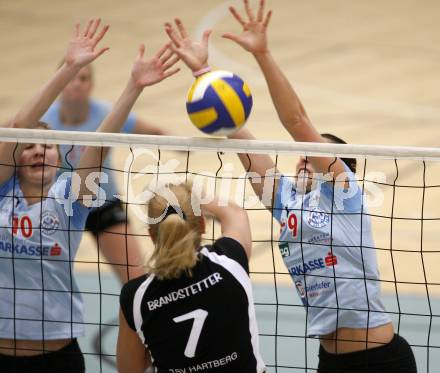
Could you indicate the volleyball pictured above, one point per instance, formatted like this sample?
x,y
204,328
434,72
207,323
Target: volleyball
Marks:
x,y
219,103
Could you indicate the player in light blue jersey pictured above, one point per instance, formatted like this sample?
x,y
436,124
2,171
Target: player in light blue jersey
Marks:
x,y
42,220
77,111
326,237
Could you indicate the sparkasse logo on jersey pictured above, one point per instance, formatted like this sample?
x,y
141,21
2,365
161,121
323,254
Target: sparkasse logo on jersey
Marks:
x,y
29,249
314,264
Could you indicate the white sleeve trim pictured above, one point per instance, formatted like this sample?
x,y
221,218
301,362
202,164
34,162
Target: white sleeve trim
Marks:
x,y
137,315
242,277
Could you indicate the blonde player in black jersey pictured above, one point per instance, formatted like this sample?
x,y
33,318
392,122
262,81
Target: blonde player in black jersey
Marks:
x,y
194,311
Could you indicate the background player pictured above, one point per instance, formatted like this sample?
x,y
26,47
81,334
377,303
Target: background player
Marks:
x,y
195,311
40,235
341,293
77,111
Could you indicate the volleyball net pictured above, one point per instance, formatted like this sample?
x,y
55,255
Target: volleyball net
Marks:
x,y
400,187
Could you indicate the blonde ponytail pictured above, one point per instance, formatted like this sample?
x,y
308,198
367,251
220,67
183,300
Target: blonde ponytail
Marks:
x,y
176,238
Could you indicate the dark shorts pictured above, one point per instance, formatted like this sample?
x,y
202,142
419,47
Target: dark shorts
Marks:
x,y
395,357
67,360
102,218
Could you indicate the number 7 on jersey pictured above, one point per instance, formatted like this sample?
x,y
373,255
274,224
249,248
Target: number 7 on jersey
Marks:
x,y
199,317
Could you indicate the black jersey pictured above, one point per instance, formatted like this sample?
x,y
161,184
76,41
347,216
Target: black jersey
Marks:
x,y
203,323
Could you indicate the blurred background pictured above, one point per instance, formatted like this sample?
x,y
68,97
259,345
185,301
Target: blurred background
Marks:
x,y
365,70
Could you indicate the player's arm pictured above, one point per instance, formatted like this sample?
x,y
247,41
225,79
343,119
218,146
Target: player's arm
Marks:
x,y
80,52
145,72
263,166
131,355
143,127
234,222
290,110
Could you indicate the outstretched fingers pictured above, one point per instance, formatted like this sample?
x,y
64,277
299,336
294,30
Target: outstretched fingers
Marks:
x,y
168,73
162,51
231,36
101,51
89,25
172,34
260,14
100,35
166,55
141,52
176,50
94,27
267,19
249,11
205,37
237,16
170,63
76,31
82,47
181,28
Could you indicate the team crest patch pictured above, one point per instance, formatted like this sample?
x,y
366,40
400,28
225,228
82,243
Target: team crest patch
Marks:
x,y
317,218
49,223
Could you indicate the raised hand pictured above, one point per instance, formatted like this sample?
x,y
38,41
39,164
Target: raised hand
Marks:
x,y
253,38
82,47
194,54
149,71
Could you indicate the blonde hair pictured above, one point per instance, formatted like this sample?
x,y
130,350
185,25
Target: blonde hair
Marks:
x,y
176,238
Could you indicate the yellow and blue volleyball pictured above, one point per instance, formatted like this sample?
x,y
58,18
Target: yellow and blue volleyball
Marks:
x,y
219,103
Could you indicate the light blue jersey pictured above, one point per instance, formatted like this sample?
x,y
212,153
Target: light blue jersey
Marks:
x,y
332,263
38,244
98,110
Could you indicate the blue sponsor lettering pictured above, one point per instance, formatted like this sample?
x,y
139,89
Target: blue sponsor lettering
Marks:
x,y
24,250
322,288
310,266
318,286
